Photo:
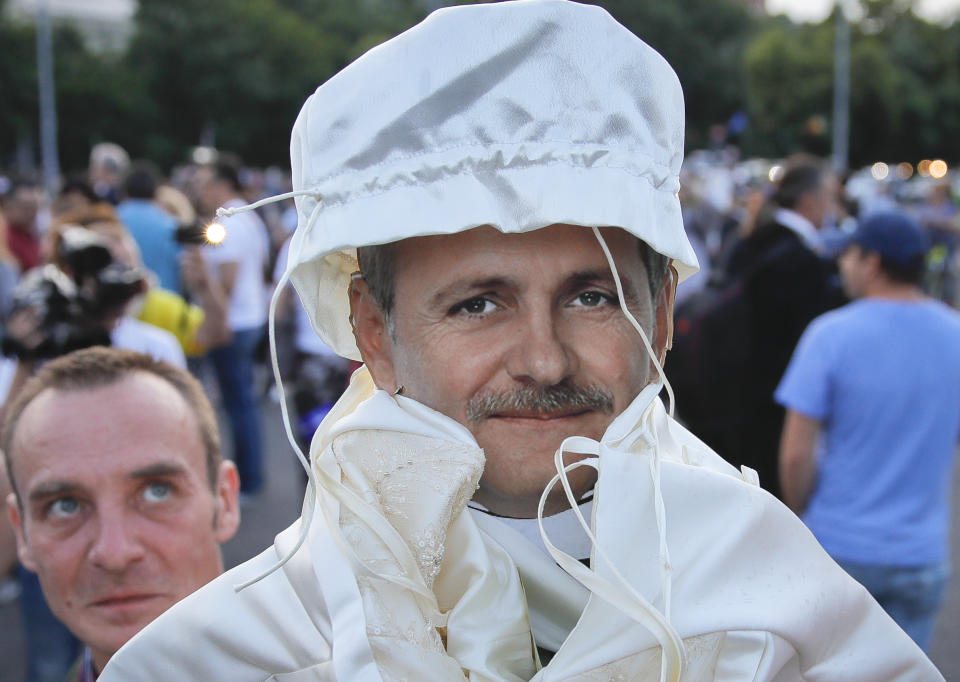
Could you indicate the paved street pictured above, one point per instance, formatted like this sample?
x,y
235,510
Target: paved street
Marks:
x,y
280,505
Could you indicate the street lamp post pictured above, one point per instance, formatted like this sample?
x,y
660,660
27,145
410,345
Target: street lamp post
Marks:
x,y
841,91
48,105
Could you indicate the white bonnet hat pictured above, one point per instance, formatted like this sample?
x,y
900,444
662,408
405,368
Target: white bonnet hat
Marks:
x,y
517,115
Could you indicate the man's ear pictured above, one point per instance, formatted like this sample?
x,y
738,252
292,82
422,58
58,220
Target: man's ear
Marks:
x,y
372,335
227,493
873,259
663,339
16,521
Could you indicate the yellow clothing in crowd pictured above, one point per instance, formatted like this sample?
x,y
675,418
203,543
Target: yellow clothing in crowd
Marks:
x,y
170,311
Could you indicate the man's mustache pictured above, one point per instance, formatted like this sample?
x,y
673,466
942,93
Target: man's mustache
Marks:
x,y
540,399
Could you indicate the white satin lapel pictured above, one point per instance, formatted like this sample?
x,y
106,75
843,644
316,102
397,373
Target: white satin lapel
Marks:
x,y
555,600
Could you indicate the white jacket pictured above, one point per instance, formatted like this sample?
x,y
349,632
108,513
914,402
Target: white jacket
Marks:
x,y
754,597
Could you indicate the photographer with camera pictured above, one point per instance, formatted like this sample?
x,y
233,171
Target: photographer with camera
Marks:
x,y
198,325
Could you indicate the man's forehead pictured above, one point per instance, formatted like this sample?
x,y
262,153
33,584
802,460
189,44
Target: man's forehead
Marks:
x,y
569,242
78,426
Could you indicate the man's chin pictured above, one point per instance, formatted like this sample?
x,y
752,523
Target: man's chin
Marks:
x,y
519,495
521,456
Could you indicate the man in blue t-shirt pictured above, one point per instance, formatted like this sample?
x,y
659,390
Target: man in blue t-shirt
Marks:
x,y
873,415
152,228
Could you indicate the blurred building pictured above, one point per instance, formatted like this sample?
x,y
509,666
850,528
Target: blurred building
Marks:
x,y
105,25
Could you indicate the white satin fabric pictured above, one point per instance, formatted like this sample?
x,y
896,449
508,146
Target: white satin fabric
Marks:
x,y
442,593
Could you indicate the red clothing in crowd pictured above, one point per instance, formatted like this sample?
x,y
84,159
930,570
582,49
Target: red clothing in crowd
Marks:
x,y
24,245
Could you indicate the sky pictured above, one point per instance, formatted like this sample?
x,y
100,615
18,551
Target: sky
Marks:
x,y
815,10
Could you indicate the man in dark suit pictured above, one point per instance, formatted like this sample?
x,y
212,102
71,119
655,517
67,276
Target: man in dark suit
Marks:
x,y
787,283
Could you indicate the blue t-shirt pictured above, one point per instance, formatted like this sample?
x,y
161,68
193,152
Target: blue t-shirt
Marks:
x,y
153,230
883,379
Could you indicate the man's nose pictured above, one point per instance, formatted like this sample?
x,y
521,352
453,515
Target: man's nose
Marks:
x,y
116,544
540,353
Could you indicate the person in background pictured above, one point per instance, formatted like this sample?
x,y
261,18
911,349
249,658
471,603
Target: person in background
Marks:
x,y
873,417
787,284
238,265
75,194
177,205
92,251
108,166
20,207
120,497
9,270
151,227
197,326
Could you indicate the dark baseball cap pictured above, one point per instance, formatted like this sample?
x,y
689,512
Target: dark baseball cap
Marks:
x,y
894,235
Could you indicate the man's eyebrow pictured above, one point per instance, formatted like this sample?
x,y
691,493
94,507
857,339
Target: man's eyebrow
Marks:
x,y
595,275
465,287
603,275
158,470
53,489
57,488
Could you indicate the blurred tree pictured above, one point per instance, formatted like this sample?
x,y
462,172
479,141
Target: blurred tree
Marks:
x,y
95,95
905,86
18,87
235,73
226,71
98,98
789,79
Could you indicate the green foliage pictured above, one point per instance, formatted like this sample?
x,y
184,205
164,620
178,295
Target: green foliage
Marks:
x,y
236,72
18,85
789,80
904,86
236,69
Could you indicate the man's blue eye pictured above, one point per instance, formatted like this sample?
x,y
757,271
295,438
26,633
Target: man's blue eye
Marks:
x,y
64,507
156,492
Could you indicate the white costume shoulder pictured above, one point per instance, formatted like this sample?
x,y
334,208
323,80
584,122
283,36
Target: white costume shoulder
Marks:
x,y
275,629
754,596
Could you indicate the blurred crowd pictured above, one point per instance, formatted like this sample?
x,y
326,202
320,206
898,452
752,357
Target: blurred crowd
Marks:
x,y
819,347
128,257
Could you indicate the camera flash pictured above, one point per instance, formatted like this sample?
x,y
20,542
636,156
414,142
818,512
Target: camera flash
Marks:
x,y
215,233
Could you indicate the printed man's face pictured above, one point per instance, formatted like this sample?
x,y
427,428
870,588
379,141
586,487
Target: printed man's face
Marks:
x,y
119,519
520,338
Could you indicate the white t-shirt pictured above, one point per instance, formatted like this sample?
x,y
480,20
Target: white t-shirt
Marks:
x,y
132,334
247,244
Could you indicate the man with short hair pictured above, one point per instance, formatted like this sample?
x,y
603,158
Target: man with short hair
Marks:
x,y
877,384
488,217
120,497
238,263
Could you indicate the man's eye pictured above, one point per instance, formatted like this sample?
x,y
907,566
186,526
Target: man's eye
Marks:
x,y
474,306
156,492
63,508
592,299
